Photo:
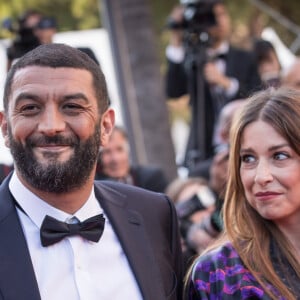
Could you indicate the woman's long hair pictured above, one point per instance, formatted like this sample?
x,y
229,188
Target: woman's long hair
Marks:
x,y
249,233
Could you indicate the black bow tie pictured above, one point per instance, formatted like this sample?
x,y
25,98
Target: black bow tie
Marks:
x,y
53,231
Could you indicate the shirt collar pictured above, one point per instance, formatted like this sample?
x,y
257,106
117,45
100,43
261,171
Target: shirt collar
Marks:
x,y
36,208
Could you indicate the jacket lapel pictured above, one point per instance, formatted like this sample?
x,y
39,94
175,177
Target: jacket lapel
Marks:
x,y
128,225
17,279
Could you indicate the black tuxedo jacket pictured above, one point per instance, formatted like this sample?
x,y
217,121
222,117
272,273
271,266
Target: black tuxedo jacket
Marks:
x,y
149,178
145,223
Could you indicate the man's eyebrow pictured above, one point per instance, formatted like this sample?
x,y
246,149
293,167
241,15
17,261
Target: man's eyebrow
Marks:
x,y
29,96
76,96
24,96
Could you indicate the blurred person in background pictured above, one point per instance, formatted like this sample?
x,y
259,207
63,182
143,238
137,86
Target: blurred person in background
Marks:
x,y
34,29
45,29
203,232
194,201
291,77
228,73
25,39
269,67
221,137
114,164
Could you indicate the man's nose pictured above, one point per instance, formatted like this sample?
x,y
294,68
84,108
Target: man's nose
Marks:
x,y
263,173
52,122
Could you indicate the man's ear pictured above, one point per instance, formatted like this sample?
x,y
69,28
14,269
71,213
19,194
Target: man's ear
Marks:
x,y
107,125
4,128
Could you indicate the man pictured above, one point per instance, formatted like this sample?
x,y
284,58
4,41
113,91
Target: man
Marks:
x,y
114,163
56,116
227,73
25,39
45,30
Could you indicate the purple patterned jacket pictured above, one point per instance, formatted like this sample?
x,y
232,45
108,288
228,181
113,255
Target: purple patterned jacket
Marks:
x,y
220,274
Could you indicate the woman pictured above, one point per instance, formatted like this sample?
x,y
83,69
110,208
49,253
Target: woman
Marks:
x,y
258,257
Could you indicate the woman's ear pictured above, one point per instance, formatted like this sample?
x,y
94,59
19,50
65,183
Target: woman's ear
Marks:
x,y
107,125
4,128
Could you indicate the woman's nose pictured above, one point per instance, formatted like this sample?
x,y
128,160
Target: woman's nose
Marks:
x,y
263,173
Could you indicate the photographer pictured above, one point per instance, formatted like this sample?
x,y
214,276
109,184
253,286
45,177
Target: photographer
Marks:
x,y
25,39
227,72
200,234
194,201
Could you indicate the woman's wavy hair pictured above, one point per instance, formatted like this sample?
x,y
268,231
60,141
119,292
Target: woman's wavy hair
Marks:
x,y
250,233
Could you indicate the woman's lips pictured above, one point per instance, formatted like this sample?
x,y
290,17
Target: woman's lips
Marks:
x,y
266,195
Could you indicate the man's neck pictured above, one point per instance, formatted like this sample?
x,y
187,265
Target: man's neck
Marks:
x,y
69,202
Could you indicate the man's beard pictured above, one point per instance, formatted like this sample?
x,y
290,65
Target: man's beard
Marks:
x,y
55,176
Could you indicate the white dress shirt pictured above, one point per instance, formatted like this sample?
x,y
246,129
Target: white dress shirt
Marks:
x,y
74,268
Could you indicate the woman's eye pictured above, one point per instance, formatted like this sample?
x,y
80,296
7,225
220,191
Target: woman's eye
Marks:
x,y
280,156
247,158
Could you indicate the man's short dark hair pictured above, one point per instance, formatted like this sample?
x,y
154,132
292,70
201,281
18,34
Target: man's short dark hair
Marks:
x,y
60,56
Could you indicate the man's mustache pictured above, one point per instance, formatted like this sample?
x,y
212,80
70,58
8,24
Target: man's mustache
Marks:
x,y
52,140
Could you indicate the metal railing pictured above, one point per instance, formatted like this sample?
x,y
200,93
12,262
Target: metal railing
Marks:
x,y
288,24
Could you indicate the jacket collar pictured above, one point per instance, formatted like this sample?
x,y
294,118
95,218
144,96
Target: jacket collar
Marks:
x,y
17,278
128,226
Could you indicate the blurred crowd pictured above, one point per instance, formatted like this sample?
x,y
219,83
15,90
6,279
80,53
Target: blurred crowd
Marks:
x,y
225,76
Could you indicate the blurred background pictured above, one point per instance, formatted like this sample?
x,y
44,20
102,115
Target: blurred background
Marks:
x,y
129,39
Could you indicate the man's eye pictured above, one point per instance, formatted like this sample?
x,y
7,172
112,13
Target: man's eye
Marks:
x,y
72,107
29,109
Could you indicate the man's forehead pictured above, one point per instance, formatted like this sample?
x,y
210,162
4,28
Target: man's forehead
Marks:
x,y
34,73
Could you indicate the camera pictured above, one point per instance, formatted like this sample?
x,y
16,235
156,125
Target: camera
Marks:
x,y
198,16
199,201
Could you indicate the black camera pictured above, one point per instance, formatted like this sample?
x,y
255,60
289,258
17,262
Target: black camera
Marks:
x,y
200,201
198,16
187,208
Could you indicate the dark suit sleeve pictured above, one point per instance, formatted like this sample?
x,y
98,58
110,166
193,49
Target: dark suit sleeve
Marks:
x,y
176,80
149,178
253,82
242,66
159,181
